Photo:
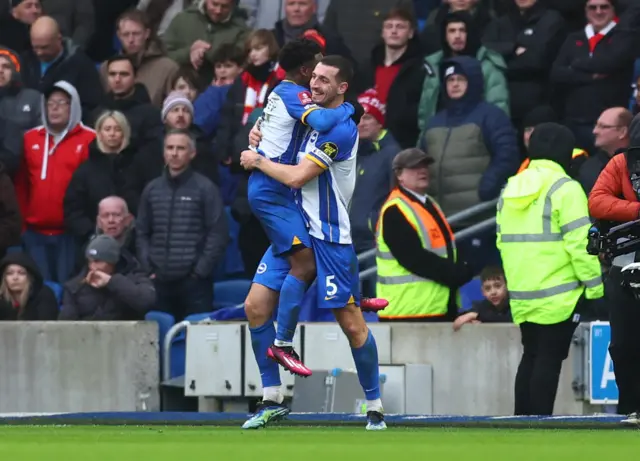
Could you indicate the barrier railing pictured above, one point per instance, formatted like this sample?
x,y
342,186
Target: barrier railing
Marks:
x,y
453,220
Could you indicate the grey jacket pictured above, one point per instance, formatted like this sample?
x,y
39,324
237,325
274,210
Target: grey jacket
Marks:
x,y
129,295
181,229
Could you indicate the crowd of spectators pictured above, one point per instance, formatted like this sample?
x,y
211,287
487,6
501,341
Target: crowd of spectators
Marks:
x,y
122,122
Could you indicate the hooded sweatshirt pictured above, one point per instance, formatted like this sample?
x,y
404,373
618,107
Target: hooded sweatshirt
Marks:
x,y
17,103
48,164
41,304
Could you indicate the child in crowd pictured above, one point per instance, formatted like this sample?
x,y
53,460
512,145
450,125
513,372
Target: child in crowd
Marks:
x,y
495,307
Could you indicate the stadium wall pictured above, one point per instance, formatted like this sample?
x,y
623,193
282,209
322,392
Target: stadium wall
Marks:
x,y
78,367
114,366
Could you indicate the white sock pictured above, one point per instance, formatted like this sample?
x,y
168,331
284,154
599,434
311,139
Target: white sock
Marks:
x,y
279,343
374,405
273,393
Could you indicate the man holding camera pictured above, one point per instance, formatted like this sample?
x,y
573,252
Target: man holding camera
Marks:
x,y
616,198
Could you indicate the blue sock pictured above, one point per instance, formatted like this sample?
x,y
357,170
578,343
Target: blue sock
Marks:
x,y
366,359
261,338
291,295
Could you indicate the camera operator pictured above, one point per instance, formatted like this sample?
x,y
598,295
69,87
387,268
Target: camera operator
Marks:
x,y
616,197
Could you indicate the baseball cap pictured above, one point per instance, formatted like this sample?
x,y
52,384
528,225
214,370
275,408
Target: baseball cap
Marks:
x,y
411,158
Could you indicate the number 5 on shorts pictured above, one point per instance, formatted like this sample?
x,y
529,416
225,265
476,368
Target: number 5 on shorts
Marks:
x,y
332,288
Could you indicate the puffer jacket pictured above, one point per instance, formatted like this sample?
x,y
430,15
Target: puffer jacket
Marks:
x,y
181,227
473,143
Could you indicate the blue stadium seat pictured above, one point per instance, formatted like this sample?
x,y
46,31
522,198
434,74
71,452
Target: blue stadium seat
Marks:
x,y
57,290
179,347
231,292
469,293
165,322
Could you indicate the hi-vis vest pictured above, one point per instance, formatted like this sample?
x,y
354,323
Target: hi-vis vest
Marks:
x,y
542,225
409,295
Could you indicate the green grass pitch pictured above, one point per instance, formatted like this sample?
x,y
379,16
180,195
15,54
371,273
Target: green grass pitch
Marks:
x,y
178,443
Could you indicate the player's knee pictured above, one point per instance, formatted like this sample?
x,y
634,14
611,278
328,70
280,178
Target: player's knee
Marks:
x,y
303,265
354,328
257,313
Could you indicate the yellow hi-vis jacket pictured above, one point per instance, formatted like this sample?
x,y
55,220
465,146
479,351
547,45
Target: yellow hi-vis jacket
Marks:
x,y
409,295
542,226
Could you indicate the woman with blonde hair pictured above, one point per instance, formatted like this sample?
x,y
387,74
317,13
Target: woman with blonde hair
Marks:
x,y
108,171
23,294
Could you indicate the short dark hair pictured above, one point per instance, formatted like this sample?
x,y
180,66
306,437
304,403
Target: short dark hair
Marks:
x,y
188,75
403,14
184,132
298,53
120,58
492,273
345,68
228,53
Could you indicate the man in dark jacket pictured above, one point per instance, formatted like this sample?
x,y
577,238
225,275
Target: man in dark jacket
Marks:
x,y
53,58
111,287
431,36
132,99
18,104
397,74
301,21
10,145
593,70
15,22
528,38
611,135
472,142
181,231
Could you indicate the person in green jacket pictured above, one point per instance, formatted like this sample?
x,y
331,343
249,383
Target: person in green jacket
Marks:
x,y
195,34
461,38
543,222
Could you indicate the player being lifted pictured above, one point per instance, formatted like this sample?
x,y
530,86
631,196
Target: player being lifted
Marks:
x,y
325,176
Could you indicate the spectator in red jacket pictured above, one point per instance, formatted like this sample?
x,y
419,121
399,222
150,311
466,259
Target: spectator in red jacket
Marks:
x,y
52,153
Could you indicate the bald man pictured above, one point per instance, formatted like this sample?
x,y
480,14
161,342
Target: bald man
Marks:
x,y
611,135
53,58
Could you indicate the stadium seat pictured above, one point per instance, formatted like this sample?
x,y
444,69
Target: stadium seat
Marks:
x,y
231,292
57,290
165,322
470,293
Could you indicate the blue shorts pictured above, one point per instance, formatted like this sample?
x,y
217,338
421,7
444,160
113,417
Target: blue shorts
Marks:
x,y
275,207
337,266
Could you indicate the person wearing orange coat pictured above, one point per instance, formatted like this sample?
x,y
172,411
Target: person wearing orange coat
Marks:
x,y
616,197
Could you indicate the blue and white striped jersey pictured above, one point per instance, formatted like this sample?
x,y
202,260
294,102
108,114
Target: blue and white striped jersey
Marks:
x,y
325,199
283,122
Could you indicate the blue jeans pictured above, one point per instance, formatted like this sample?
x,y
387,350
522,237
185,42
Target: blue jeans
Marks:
x,y
54,254
184,297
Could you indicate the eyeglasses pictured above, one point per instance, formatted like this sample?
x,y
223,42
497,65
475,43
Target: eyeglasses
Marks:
x,y
605,7
52,104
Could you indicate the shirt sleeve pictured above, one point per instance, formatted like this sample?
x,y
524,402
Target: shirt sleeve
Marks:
x,y
330,147
299,104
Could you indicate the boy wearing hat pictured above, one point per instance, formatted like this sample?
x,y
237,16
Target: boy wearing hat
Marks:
x,y
18,104
110,288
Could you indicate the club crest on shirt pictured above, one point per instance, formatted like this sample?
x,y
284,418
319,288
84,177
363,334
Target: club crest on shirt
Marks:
x,y
305,98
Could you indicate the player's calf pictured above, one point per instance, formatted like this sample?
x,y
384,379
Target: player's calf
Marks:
x,y
365,356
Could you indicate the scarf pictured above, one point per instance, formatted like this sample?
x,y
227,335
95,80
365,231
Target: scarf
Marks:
x,y
291,32
257,87
594,38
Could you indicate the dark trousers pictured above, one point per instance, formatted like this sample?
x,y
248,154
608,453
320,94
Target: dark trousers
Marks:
x,y
54,254
184,297
624,348
545,347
